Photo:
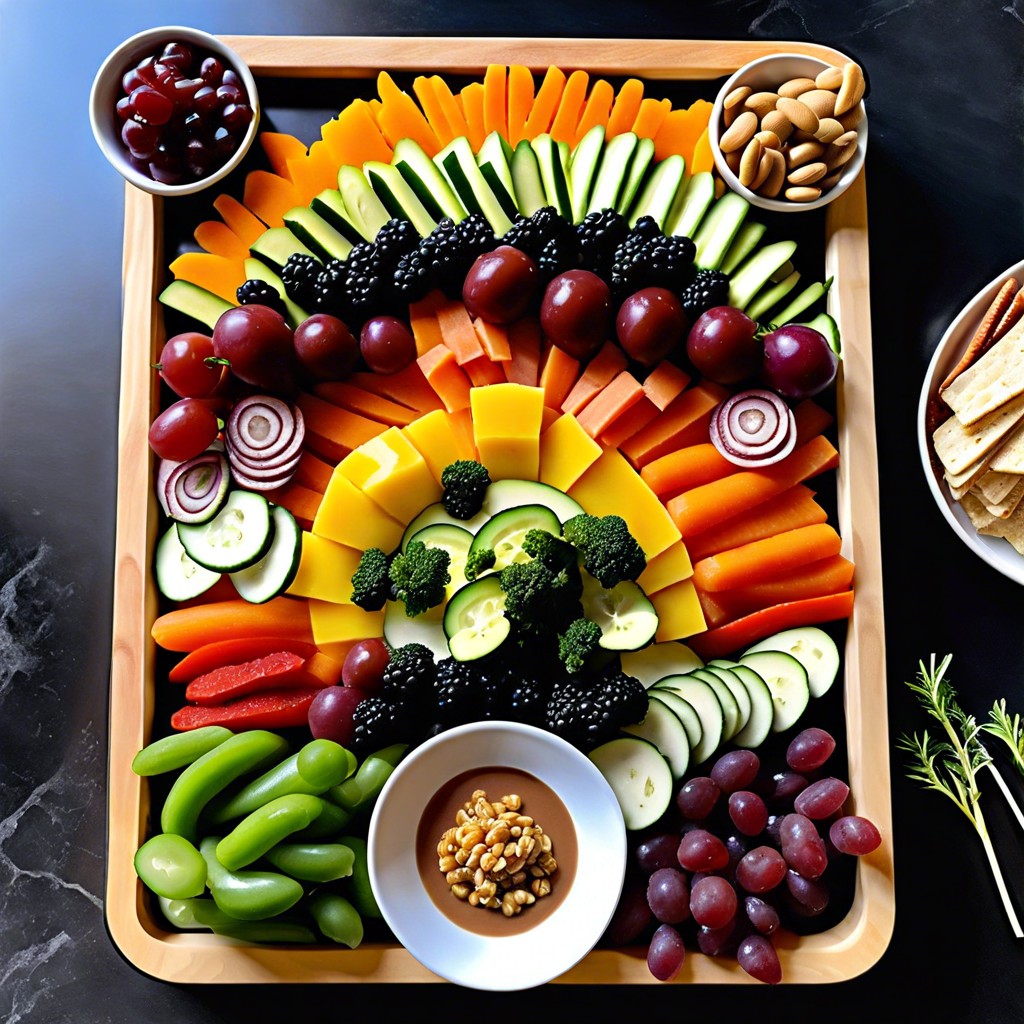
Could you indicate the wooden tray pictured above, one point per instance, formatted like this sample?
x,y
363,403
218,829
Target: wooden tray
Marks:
x,y
842,952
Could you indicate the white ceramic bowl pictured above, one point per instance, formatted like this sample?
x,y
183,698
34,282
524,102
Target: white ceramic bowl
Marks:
x,y
996,551
549,948
106,90
768,73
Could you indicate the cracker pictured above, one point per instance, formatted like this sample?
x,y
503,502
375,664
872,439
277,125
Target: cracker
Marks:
x,y
1009,456
992,381
1010,529
979,516
1003,509
957,446
992,487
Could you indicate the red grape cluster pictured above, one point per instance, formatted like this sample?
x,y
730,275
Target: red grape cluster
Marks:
x,y
183,114
747,856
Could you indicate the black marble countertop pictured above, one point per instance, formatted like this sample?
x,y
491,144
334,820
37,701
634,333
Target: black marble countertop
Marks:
x,y
946,215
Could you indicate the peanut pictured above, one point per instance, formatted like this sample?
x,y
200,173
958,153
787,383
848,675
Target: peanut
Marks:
x,y
807,174
800,114
795,86
802,193
852,89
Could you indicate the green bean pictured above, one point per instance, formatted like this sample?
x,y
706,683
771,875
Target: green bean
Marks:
x,y
202,780
205,914
266,827
318,766
359,882
178,750
312,862
247,895
336,918
359,792
171,866
329,825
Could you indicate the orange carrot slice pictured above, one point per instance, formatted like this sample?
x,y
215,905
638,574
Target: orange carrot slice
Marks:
x,y
483,370
400,118
810,419
545,104
446,377
625,108
408,387
270,197
450,107
301,501
570,106
187,629
665,383
681,130
313,472
520,100
431,104
675,428
524,340
686,468
494,339
217,238
340,429
597,110
602,369
495,103
473,107
353,137
629,423
365,403
242,221
314,171
650,116
281,147
557,376
610,403
216,274
457,331
703,158
426,331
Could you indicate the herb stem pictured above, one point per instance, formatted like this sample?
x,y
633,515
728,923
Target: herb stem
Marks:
x,y
997,873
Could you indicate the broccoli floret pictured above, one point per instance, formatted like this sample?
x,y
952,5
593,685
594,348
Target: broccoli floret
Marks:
x,y
554,552
371,584
537,600
578,643
609,551
465,483
420,575
479,561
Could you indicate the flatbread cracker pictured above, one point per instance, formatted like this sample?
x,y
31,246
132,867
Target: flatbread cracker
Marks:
x,y
1003,509
1009,456
1010,529
992,487
979,516
958,446
995,379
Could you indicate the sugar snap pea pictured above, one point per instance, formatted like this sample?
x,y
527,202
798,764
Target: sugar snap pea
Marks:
x,y
358,885
318,766
178,750
312,862
205,914
266,827
202,780
358,793
247,895
171,866
331,823
336,918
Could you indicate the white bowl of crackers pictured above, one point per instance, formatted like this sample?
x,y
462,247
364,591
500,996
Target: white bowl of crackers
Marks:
x,y
789,132
971,424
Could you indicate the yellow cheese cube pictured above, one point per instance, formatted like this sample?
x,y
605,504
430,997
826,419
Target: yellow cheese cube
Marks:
x,y
343,623
390,471
679,611
325,570
510,458
348,516
567,451
506,429
612,487
671,566
439,440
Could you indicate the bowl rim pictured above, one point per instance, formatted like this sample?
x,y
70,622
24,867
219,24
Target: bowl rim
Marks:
x,y
100,117
440,945
995,551
846,179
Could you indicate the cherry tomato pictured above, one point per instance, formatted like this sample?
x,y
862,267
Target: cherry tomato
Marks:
x,y
183,430
184,367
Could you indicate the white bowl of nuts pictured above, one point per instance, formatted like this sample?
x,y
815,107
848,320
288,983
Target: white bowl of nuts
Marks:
x,y
497,853
788,132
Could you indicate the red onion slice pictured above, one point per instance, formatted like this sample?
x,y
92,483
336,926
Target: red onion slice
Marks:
x,y
194,490
264,440
753,428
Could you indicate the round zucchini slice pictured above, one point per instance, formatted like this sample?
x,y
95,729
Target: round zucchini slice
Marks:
x,y
272,575
505,532
178,576
238,536
474,619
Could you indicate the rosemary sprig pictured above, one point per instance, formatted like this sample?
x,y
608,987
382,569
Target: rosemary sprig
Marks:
x,y
951,765
1009,730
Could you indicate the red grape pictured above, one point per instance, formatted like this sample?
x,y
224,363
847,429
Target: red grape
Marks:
x,y
798,361
330,714
697,797
748,812
257,343
757,956
364,665
761,869
723,346
666,953
501,285
325,347
387,344
184,368
809,749
854,835
713,901
183,430
632,914
802,846
575,313
822,799
651,324
701,850
809,897
657,852
763,916
668,895
735,769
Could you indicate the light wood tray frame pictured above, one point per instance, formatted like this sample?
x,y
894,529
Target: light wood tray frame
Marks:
x,y
844,951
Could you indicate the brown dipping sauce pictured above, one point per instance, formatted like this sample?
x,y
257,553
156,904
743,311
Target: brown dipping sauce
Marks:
x,y
540,803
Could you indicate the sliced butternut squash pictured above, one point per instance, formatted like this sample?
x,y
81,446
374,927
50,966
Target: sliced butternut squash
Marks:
x,y
270,197
625,108
495,115
570,107
473,108
546,103
216,274
400,118
703,160
242,221
280,148
650,116
597,110
353,136
425,92
450,107
520,100
217,238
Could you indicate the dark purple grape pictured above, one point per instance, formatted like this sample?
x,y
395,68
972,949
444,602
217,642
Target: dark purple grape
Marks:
x,y
757,956
737,847
205,100
785,787
501,285
141,139
802,846
657,851
798,361
761,870
632,915
177,55
809,749
211,71
854,835
330,714
697,797
748,812
701,850
575,313
722,941
822,799
809,895
387,344
735,770
666,953
762,915
668,895
713,901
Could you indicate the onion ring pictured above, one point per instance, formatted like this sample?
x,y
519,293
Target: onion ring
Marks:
x,y
753,428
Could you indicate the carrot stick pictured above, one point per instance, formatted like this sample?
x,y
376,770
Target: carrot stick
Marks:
x,y
650,116
702,507
610,403
665,383
1010,317
450,107
983,336
407,387
423,322
520,100
495,117
187,629
557,376
431,105
242,221
343,430
457,332
365,403
483,370
598,373
761,561
684,422
629,423
545,103
524,341
570,107
473,107
446,377
597,108
234,652
740,633
218,239
625,108
494,339
686,468
811,419
301,501
788,510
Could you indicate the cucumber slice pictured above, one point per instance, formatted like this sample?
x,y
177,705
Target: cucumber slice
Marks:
x,y
750,233
586,159
321,238
365,210
718,228
398,198
739,692
275,245
762,710
457,162
701,695
529,189
503,494
272,575
639,776
424,178
456,540
611,175
552,174
757,271
772,295
683,710
662,727
802,302
730,708
474,619
427,629
179,576
196,302
627,617
493,160
826,325
690,205
787,680
238,536
813,648
505,532
659,190
638,166
668,658
436,513
330,206
257,270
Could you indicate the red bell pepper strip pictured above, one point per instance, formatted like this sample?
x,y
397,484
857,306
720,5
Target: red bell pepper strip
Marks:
x,y
234,652
740,633
272,672
272,709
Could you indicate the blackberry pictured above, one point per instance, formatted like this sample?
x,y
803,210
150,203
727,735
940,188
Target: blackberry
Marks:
x,y
366,291
409,676
299,276
588,714
446,255
600,233
259,293
379,722
458,689
331,294
531,234
528,700
395,240
647,259
415,275
708,288
560,253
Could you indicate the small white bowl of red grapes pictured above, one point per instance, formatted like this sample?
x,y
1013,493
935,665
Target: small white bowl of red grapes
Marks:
x,y
174,110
